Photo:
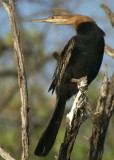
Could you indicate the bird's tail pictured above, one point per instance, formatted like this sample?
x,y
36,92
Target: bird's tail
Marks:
x,y
49,135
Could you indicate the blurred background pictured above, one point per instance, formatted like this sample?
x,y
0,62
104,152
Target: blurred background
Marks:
x,y
39,41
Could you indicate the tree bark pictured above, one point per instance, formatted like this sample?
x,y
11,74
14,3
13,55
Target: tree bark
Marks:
x,y
105,108
9,6
74,119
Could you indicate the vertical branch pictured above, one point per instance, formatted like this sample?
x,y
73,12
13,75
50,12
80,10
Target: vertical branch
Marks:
x,y
74,119
105,108
21,77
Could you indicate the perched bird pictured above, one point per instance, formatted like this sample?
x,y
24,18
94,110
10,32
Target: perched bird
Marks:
x,y
82,56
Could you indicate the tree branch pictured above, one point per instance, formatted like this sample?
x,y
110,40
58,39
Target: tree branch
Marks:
x,y
8,73
109,13
4,154
105,108
21,77
74,120
109,51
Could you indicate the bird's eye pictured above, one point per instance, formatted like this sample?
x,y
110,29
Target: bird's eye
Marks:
x,y
52,17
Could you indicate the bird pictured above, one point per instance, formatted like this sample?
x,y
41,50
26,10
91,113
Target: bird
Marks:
x,y
82,56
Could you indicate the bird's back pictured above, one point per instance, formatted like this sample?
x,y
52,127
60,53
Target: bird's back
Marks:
x,y
82,56
86,58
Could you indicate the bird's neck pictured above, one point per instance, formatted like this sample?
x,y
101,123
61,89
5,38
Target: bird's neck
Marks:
x,y
89,31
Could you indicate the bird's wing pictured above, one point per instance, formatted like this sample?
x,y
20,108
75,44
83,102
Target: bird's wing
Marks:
x,y
62,63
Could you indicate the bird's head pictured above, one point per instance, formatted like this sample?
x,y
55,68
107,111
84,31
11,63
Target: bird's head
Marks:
x,y
75,20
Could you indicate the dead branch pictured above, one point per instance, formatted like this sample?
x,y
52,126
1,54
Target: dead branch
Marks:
x,y
8,73
4,154
109,13
74,120
105,108
9,6
109,51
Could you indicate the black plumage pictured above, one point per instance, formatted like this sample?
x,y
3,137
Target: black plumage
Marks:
x,y
82,56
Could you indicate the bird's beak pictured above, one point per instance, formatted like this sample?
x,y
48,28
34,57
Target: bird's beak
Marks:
x,y
62,20
40,20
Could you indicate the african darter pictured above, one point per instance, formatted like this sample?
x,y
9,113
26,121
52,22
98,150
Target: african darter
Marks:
x,y
82,56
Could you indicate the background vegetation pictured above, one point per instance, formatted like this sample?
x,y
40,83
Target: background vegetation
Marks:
x,y
39,41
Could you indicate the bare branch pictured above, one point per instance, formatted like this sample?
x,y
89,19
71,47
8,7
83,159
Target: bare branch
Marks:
x,y
109,51
21,77
5,155
8,73
74,120
105,108
109,13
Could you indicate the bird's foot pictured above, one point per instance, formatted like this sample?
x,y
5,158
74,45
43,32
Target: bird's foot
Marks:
x,y
81,83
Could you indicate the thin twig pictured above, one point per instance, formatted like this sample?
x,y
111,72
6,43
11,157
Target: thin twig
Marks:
x,y
21,77
74,119
5,155
8,73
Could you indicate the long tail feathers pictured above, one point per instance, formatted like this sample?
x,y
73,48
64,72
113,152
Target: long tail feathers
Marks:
x,y
49,135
